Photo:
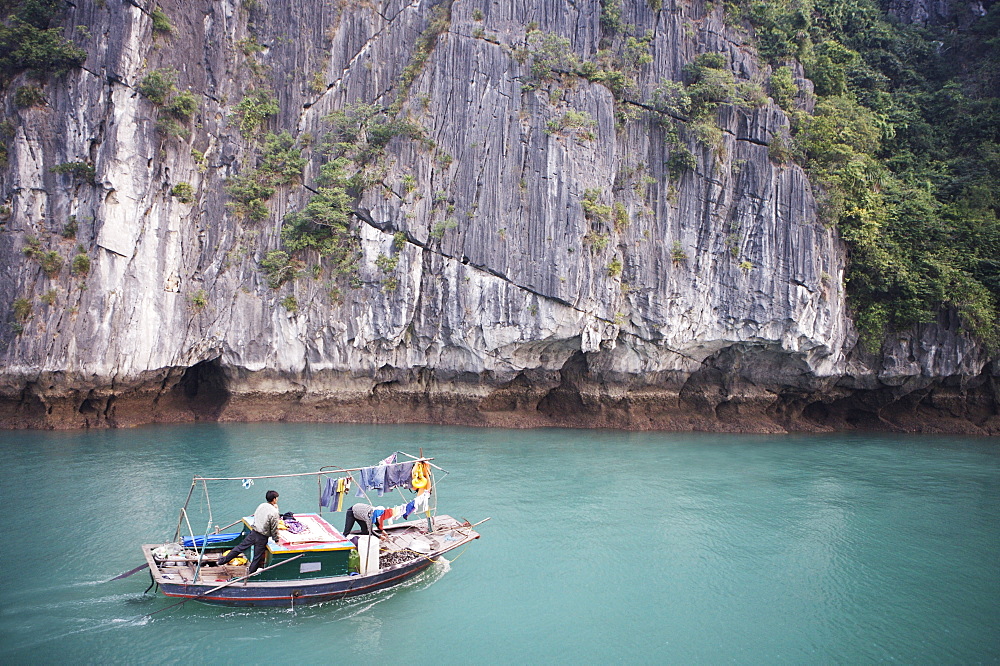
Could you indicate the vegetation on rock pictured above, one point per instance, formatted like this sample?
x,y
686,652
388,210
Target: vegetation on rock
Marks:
x,y
254,109
354,145
81,264
27,43
28,96
176,110
280,163
183,192
78,170
905,142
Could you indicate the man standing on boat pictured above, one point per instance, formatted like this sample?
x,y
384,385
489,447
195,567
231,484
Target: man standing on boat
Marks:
x,y
265,525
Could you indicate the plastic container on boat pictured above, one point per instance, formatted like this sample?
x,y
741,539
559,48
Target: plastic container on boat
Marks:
x,y
368,553
354,561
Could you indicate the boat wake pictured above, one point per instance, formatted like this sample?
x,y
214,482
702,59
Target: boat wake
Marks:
x,y
92,626
80,604
39,591
359,605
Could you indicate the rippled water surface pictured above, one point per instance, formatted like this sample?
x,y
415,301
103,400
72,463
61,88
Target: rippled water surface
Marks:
x,y
602,547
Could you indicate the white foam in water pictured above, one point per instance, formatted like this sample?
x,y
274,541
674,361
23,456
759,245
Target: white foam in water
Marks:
x,y
98,626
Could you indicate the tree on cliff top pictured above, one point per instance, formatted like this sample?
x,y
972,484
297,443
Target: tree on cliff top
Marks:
x,y
27,43
905,142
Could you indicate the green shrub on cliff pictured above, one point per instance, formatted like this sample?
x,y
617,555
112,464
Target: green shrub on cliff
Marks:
x,y
198,300
249,196
28,96
680,161
175,111
279,268
281,161
27,43
51,263
905,144
22,309
571,120
324,224
183,192
550,55
254,109
440,20
157,85
360,132
78,170
783,88
161,23
355,147
182,106
711,83
81,265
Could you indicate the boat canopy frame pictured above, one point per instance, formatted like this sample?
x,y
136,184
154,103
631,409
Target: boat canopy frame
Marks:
x,y
326,470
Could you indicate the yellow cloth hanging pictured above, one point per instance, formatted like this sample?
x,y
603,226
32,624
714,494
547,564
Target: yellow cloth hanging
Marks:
x,y
340,492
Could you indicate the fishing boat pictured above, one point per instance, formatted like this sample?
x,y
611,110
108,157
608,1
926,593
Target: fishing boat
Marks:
x,y
312,561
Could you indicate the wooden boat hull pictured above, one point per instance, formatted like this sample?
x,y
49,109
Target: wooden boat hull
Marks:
x,y
300,592
249,593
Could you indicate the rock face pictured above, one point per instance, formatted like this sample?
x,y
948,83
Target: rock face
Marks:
x,y
710,299
938,12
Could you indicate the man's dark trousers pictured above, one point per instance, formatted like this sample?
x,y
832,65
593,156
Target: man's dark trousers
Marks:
x,y
259,543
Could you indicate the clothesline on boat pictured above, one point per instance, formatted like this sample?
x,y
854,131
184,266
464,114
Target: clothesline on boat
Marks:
x,y
323,471
388,475
327,470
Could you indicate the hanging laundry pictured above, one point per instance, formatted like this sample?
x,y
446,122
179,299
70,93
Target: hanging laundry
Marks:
x,y
386,514
377,515
326,495
371,478
409,508
420,503
397,513
398,475
341,489
388,460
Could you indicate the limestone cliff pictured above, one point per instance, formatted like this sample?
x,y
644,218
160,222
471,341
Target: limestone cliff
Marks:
x,y
533,258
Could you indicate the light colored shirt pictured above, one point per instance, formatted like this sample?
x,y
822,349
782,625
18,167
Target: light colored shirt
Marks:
x,y
265,520
363,512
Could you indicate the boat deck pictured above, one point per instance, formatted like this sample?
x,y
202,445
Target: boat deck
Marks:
x,y
182,570
400,543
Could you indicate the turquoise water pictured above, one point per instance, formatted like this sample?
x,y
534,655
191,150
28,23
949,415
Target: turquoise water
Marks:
x,y
603,547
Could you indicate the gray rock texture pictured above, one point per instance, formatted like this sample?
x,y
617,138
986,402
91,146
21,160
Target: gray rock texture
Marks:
x,y
716,302
938,12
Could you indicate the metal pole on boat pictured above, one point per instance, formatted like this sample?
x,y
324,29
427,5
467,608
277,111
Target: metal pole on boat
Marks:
x,y
204,541
430,523
219,529
180,518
